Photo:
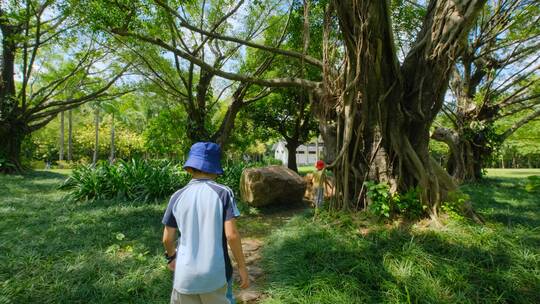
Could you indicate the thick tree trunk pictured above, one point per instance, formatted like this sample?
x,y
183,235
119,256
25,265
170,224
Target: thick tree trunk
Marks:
x,y
291,146
70,136
61,139
10,148
385,112
465,157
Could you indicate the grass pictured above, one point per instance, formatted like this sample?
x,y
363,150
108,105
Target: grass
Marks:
x,y
517,173
349,259
52,251
56,252
303,170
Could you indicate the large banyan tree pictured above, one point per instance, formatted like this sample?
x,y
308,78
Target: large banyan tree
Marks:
x,y
375,110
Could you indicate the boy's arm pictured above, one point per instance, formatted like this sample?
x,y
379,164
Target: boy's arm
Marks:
x,y
169,240
235,243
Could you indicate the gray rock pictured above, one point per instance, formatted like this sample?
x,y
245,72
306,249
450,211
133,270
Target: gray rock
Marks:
x,y
271,185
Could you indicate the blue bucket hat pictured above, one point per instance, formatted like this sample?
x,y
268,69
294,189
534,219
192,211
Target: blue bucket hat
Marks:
x,y
205,157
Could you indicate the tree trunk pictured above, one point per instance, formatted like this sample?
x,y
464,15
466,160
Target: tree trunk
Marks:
x,y
10,149
465,158
292,145
61,139
386,111
112,156
223,134
96,140
70,136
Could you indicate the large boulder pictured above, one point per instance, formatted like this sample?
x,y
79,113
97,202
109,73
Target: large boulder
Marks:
x,y
271,185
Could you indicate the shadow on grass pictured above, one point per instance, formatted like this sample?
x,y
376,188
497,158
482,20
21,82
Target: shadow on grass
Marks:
x,y
312,263
505,201
267,219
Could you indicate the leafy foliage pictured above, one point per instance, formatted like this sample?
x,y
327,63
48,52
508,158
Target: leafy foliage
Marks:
x,y
383,203
165,134
454,205
136,180
381,200
141,180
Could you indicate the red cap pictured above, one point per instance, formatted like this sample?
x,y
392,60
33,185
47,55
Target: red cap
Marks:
x,y
319,165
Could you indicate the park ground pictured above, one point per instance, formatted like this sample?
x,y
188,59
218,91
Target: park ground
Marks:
x,y
56,251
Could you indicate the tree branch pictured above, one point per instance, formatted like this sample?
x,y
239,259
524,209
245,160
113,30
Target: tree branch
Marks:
x,y
184,23
520,124
277,82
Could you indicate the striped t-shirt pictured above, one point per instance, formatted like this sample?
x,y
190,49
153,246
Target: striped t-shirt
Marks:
x,y
199,211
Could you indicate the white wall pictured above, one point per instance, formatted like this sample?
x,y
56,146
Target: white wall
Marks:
x,y
305,154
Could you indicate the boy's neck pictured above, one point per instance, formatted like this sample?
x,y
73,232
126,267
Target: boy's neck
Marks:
x,y
202,175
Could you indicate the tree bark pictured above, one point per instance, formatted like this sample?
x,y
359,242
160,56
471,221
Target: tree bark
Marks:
x,y
11,139
70,136
223,134
465,157
386,111
61,139
291,146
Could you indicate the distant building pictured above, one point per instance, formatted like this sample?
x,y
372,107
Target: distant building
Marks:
x,y
306,154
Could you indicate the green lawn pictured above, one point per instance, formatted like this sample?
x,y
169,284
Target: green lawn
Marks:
x,y
53,251
353,260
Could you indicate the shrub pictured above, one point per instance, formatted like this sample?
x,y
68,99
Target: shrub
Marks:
x,y
409,203
379,194
231,176
140,180
136,180
383,203
455,204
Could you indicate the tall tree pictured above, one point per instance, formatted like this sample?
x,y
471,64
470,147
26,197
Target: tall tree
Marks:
x,y
194,88
70,135
380,109
285,112
496,77
44,56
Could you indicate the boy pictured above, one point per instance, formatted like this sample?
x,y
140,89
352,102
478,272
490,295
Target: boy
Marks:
x,y
319,181
204,212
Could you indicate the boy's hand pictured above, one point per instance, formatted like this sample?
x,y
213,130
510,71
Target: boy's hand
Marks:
x,y
244,278
172,265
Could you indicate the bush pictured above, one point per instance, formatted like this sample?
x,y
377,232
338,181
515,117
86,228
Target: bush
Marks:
x,y
379,195
383,203
231,176
136,180
455,204
140,180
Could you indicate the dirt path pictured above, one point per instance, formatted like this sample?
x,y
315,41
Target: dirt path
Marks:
x,y
253,294
255,229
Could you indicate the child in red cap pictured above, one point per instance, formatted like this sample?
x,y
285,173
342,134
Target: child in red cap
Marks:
x,y
319,180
